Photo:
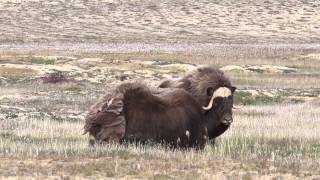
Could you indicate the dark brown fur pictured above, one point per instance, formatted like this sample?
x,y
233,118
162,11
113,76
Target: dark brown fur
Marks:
x,y
201,83
150,115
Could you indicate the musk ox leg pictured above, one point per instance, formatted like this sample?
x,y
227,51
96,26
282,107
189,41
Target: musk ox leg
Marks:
x,y
198,137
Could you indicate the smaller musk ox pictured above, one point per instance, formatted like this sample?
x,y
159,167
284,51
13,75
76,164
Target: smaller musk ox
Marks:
x,y
180,113
214,92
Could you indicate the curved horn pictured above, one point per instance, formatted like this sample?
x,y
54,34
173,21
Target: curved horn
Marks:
x,y
210,103
237,107
220,92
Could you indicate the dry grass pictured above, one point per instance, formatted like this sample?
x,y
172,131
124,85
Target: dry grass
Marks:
x,y
4,71
269,81
263,140
41,124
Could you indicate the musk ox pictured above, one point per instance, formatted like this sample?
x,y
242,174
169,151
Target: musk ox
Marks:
x,y
213,91
136,112
181,113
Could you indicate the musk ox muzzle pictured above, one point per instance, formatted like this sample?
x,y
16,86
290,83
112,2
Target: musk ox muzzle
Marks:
x,y
227,119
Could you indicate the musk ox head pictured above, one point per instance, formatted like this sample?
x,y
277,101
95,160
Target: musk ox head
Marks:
x,y
213,91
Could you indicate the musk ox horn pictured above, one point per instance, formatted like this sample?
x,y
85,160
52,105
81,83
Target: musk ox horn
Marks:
x,y
220,92
236,107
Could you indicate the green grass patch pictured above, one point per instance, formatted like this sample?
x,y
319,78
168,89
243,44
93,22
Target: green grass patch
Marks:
x,y
246,98
73,89
41,60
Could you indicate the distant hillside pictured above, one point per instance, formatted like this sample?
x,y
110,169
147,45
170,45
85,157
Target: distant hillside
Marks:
x,y
214,21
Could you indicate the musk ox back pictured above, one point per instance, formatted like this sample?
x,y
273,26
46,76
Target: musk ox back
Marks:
x,y
134,112
213,91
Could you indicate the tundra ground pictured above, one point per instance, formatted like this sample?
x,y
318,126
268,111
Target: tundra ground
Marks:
x,y
202,21
58,57
274,133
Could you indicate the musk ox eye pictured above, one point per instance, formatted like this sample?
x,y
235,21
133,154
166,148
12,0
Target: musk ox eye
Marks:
x,y
233,89
210,91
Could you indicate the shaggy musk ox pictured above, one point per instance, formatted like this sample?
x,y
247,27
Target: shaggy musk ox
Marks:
x,y
214,92
135,112
181,113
